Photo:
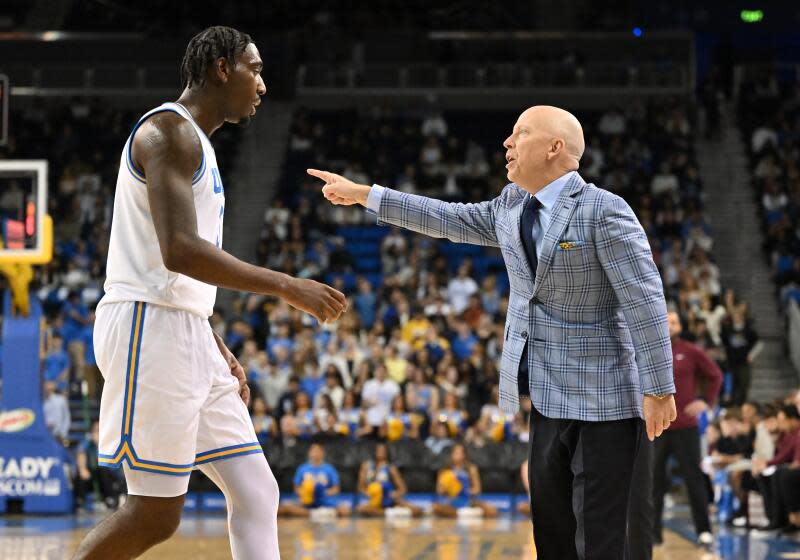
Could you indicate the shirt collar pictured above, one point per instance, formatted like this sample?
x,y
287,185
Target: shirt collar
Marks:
x,y
549,194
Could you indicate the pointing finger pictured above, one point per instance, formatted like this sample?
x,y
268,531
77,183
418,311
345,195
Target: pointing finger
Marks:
x,y
324,175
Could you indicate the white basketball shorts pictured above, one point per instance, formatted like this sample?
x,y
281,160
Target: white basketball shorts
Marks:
x,y
169,402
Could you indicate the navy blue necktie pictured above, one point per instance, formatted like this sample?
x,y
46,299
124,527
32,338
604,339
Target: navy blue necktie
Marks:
x,y
529,215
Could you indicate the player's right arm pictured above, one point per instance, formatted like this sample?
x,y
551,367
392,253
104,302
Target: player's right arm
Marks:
x,y
166,146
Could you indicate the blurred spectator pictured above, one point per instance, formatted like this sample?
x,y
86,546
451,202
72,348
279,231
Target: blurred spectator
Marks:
x,y
326,416
302,422
333,387
366,303
741,348
453,416
57,363
265,426
460,288
434,125
459,486
352,420
377,396
779,478
286,402
56,412
493,424
422,396
316,484
382,485
464,342
612,122
400,423
439,439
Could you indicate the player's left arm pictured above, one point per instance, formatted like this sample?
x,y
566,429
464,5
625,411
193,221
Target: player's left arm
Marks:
x,y
236,369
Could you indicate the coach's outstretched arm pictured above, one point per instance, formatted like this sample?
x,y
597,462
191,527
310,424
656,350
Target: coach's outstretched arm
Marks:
x,y
461,223
169,151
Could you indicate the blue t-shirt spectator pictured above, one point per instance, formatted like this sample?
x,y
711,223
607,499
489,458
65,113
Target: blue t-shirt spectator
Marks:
x,y
319,479
366,304
278,341
324,474
75,316
311,385
463,346
54,365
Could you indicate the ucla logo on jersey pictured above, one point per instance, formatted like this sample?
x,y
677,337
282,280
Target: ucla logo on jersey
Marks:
x,y
217,181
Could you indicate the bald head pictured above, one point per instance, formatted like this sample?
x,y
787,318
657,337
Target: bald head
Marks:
x,y
557,123
546,143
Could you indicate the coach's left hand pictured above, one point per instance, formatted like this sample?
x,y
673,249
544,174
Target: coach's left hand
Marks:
x,y
658,414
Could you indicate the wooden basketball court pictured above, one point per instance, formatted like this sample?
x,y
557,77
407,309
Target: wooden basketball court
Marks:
x,y
202,537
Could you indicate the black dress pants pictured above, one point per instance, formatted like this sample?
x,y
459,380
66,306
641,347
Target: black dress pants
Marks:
x,y
580,477
640,504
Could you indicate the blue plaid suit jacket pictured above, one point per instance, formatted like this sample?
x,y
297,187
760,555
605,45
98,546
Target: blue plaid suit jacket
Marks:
x,y
594,318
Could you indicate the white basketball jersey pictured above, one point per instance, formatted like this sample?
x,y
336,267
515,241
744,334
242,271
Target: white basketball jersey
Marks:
x,y
135,270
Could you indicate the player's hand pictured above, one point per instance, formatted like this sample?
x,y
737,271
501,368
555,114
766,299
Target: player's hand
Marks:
x,y
658,414
339,190
696,408
236,370
319,300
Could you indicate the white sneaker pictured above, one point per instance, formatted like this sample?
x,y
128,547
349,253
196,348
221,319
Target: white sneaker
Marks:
x,y
705,538
740,521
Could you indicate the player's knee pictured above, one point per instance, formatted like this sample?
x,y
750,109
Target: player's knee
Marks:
x,y
160,517
270,494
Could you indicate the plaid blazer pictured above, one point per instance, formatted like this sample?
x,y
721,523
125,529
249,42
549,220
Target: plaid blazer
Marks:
x,y
594,318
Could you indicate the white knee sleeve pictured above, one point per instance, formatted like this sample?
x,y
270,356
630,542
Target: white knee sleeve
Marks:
x,y
251,493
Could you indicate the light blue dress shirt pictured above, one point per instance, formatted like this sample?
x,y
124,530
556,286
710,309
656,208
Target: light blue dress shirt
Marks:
x,y
547,197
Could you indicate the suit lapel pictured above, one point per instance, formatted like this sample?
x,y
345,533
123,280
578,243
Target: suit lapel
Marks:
x,y
562,214
519,249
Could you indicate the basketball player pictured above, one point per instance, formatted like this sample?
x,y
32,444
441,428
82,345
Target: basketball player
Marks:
x,y
175,397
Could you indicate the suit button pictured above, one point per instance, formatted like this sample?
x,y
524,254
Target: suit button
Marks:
x,y
524,334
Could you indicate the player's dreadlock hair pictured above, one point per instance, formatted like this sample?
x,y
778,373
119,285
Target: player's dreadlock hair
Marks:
x,y
206,47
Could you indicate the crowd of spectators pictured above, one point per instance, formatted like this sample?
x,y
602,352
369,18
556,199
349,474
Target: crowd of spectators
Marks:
x,y
770,118
755,448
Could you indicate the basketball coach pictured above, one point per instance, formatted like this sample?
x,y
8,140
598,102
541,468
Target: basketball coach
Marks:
x,y
586,334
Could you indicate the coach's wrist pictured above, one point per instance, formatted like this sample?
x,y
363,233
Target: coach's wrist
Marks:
x,y
660,397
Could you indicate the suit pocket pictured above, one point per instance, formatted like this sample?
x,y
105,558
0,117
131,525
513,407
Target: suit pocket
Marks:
x,y
594,346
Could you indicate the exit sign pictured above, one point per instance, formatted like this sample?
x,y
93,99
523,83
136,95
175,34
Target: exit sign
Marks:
x,y
751,16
